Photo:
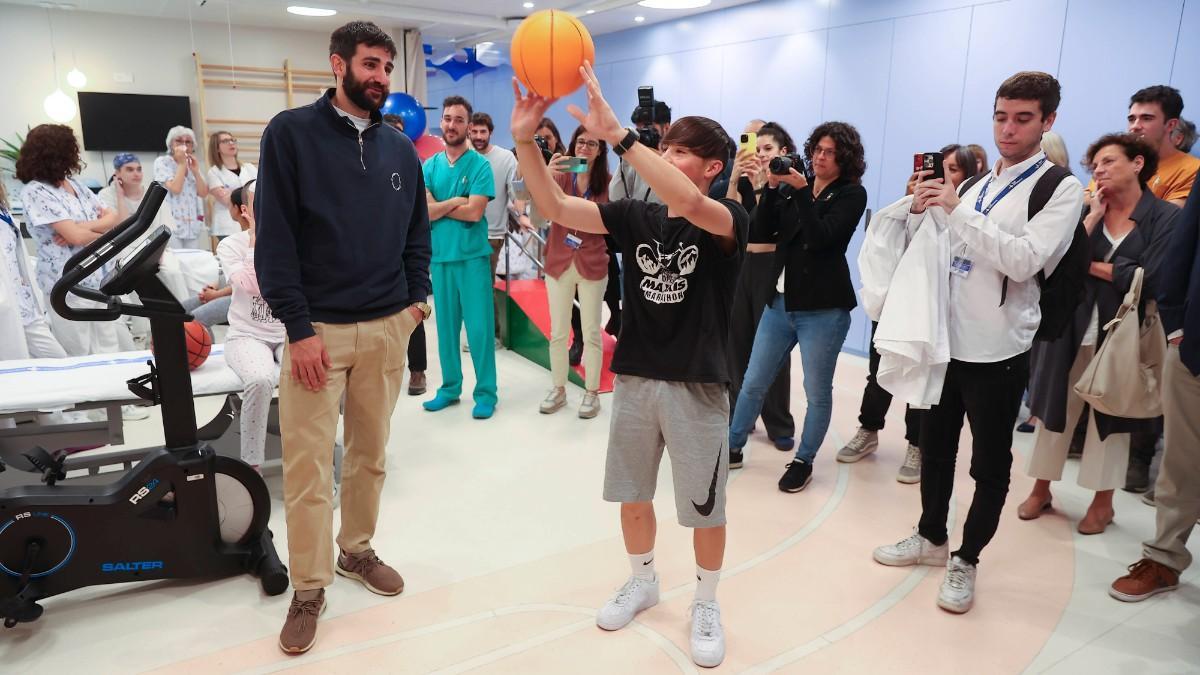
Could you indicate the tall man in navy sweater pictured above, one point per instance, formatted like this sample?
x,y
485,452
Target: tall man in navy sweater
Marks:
x,y
342,257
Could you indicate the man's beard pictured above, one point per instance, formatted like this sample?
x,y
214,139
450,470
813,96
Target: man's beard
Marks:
x,y
356,91
480,143
452,141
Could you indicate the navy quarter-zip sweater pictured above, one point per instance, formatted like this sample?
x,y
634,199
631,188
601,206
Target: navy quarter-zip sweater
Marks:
x,y
343,225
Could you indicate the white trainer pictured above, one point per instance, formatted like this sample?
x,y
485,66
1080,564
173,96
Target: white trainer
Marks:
x,y
708,638
864,443
958,587
915,550
910,470
637,594
555,399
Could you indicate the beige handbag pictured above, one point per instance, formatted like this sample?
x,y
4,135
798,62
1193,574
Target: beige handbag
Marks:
x,y
1124,378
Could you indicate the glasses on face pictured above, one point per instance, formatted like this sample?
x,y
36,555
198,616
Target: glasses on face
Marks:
x,y
228,141
590,145
826,152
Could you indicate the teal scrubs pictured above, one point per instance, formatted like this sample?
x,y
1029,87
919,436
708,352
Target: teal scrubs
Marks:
x,y
462,276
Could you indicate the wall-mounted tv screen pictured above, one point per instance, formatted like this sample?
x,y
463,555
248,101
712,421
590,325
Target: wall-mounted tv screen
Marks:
x,y
130,121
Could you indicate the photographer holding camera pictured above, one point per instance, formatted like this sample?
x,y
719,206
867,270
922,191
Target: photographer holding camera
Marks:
x,y
652,120
811,222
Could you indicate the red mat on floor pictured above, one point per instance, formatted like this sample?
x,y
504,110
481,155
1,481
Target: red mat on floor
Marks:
x,y
529,329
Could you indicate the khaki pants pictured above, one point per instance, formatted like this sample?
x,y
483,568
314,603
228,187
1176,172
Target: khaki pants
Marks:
x,y
560,293
1177,492
1104,461
368,363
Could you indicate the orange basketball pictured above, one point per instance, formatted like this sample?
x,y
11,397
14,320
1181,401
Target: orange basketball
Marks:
x,y
547,51
199,343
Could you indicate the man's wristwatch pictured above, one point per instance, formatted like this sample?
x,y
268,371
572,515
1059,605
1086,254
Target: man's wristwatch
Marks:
x,y
426,310
626,143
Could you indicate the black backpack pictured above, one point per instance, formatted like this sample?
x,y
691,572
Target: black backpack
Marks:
x,y
1062,291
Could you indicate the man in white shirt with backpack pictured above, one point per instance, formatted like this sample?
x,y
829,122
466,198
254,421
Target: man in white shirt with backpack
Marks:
x,y
995,308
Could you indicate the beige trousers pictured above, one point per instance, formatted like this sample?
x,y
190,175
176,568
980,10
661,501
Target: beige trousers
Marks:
x,y
1177,492
368,362
561,295
1104,461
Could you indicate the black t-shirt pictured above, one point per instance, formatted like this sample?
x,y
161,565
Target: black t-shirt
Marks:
x,y
678,292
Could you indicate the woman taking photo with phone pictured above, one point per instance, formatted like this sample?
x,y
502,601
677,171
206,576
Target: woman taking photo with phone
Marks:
x,y
756,284
577,262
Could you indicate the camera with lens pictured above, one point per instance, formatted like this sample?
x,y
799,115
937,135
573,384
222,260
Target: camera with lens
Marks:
x,y
544,146
781,165
648,113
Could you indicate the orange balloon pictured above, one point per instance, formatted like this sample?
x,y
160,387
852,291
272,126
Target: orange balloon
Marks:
x,y
547,50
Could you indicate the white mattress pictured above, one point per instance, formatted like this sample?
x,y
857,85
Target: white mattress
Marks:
x,y
56,384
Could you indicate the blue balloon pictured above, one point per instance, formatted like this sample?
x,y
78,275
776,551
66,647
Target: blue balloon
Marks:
x,y
408,109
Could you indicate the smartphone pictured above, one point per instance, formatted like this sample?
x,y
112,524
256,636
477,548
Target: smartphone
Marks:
x,y
575,165
929,161
749,142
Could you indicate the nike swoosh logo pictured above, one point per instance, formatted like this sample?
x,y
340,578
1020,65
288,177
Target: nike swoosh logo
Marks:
x,y
648,562
707,507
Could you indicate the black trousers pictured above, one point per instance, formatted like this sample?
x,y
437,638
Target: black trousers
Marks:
x,y
989,395
876,400
754,287
417,361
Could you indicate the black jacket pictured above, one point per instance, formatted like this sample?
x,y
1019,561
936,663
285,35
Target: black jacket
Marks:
x,y
1179,282
343,225
811,238
1145,246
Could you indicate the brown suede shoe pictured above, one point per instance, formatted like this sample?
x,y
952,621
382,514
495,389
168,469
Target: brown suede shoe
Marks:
x,y
371,571
300,628
1146,578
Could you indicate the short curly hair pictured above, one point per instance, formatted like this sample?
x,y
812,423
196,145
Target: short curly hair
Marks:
x,y
50,154
849,154
1132,145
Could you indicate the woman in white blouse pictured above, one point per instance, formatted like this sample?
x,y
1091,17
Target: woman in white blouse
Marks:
x,y
63,217
226,174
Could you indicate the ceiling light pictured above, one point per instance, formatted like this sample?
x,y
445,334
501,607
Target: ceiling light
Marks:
x,y
591,11
310,11
639,19
528,5
59,107
674,4
76,78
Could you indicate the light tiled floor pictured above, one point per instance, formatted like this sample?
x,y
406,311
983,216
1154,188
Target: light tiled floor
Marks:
x,y
507,548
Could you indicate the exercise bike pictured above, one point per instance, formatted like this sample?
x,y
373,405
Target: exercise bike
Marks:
x,y
182,512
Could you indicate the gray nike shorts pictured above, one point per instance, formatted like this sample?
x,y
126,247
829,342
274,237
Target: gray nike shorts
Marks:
x,y
691,420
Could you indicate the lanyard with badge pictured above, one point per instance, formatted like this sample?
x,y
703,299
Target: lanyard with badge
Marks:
x,y
961,265
572,240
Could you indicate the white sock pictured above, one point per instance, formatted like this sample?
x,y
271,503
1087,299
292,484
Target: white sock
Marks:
x,y
706,584
642,565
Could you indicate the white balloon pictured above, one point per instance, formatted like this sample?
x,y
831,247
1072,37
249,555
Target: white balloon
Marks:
x,y
60,107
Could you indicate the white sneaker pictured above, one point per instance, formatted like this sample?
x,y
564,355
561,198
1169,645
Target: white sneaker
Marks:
x,y
555,399
864,443
916,550
958,587
131,413
590,406
910,470
708,638
637,594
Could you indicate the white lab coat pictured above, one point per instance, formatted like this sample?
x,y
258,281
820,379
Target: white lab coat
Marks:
x,y
913,337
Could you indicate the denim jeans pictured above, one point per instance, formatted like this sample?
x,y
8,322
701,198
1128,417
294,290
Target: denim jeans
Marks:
x,y
820,334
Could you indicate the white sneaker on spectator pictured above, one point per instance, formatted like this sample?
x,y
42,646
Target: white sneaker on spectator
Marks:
x,y
915,550
708,638
910,470
637,594
958,587
864,443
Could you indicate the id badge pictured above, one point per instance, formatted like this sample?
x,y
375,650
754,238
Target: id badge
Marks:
x,y
961,266
573,242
